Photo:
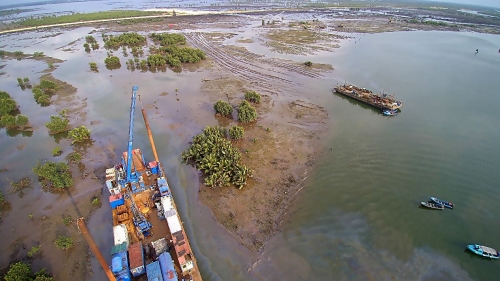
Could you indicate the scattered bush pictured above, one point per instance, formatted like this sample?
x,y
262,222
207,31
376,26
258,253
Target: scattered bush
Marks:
x,y
64,242
56,151
112,61
18,53
93,66
156,60
20,185
87,47
246,112
223,108
26,79
96,201
47,86
38,54
90,39
217,158
79,134
20,82
252,96
74,157
35,250
236,132
95,46
2,200
58,123
308,63
54,174
67,220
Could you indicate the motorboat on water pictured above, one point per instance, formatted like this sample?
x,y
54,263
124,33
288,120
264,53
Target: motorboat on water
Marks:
x,y
432,205
484,251
390,112
442,202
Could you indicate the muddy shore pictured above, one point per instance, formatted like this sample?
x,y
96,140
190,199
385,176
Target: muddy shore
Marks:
x,y
281,146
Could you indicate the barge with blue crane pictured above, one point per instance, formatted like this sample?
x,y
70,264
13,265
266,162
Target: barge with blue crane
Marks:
x,y
142,203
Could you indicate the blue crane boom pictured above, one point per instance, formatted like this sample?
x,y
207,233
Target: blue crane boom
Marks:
x,y
131,136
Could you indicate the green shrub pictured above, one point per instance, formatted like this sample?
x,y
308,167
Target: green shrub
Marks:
x,y
112,61
57,151
216,157
7,104
26,79
54,174
37,93
236,132
38,54
165,39
58,124
43,100
90,39
8,121
308,63
47,86
79,134
86,46
18,53
93,66
246,112
96,201
126,39
252,96
20,82
67,220
64,242
223,108
22,121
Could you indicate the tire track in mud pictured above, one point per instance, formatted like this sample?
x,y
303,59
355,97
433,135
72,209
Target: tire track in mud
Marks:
x,y
267,82
263,77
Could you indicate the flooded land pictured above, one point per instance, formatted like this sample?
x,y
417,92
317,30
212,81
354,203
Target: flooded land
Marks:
x,y
276,53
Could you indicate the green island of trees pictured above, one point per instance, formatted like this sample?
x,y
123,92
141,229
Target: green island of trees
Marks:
x,y
112,62
76,17
58,123
246,112
166,39
7,104
43,92
219,160
223,108
21,271
125,39
53,175
252,96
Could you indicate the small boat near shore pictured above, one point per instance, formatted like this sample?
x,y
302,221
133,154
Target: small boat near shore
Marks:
x,y
484,251
431,205
442,202
390,112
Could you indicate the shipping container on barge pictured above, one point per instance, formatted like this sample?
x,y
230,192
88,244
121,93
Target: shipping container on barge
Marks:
x,y
380,101
138,191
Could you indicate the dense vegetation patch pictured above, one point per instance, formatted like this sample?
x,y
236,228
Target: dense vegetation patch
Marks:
x,y
252,96
213,154
19,122
166,39
125,39
246,112
223,108
53,175
21,271
76,17
93,66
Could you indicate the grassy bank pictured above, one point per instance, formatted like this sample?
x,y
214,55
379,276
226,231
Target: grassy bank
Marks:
x,y
48,20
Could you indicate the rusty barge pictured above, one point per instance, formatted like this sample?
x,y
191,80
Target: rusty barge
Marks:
x,y
149,236
380,101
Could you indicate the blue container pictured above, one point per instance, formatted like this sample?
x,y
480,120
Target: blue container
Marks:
x,y
116,200
119,266
155,170
167,267
153,271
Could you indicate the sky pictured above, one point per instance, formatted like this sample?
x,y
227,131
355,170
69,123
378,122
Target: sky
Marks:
x,y
490,3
